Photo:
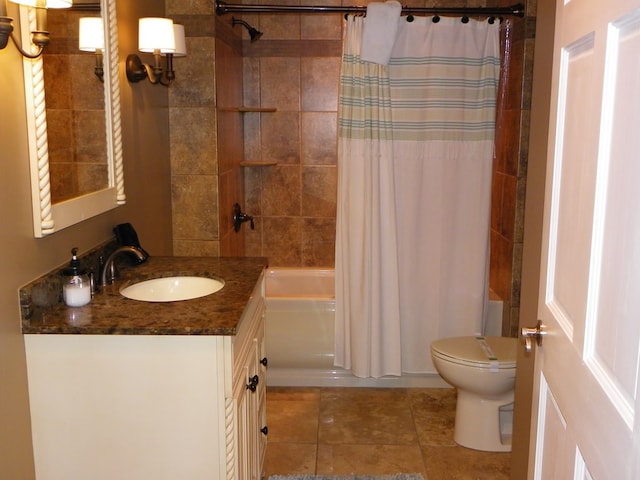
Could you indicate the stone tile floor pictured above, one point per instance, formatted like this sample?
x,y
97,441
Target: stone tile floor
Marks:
x,y
343,431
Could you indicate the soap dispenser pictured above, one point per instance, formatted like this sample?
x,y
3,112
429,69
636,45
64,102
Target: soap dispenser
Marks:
x,y
76,289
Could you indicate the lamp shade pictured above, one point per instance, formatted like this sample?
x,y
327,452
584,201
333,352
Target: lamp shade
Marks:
x,y
156,34
91,34
181,46
45,3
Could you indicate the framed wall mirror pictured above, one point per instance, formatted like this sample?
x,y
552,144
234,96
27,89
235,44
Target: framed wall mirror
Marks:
x,y
75,150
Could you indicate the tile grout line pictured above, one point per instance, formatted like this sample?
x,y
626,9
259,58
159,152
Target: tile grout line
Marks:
x,y
318,429
415,429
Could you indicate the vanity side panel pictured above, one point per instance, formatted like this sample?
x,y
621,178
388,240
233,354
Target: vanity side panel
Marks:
x,y
127,407
249,413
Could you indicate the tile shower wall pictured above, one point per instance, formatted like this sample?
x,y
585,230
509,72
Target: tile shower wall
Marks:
x,y
510,165
294,68
206,135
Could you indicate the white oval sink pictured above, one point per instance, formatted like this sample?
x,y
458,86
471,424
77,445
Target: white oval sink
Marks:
x,y
172,289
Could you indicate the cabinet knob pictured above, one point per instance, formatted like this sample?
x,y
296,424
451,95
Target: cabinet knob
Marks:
x,y
264,361
265,430
253,383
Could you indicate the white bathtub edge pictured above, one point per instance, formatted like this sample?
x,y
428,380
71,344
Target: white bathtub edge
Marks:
x,y
295,377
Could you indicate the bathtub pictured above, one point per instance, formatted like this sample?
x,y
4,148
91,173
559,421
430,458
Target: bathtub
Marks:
x,y
300,320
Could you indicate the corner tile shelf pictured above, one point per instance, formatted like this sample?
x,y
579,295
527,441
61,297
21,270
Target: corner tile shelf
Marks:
x,y
258,164
249,109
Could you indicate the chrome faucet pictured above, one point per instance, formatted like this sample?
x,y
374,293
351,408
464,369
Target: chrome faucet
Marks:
x,y
107,276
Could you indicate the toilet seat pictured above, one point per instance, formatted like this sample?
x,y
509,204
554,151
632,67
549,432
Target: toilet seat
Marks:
x,y
479,352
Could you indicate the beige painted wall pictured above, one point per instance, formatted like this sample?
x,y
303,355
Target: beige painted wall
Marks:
x,y
145,136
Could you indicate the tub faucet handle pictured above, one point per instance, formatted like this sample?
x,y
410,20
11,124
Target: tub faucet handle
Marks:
x,y
239,218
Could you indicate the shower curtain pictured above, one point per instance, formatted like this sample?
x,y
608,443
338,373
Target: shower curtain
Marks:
x,y
415,151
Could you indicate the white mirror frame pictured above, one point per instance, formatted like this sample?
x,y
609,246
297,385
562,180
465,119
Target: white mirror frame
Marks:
x,y
47,217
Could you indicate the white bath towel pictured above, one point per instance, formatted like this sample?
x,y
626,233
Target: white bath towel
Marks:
x,y
380,27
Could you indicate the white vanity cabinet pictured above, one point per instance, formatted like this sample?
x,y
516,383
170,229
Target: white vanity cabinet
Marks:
x,y
150,407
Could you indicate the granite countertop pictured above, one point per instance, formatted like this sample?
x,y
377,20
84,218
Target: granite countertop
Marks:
x,y
110,313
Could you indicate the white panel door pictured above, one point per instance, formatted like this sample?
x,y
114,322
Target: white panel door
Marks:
x,y
586,408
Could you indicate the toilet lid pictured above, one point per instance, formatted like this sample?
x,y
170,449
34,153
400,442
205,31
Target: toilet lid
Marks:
x,y
484,352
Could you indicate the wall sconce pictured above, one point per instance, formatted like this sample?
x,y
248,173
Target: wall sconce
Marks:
x,y
39,36
91,39
161,37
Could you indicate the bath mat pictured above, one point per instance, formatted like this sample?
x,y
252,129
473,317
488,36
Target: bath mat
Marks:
x,y
397,476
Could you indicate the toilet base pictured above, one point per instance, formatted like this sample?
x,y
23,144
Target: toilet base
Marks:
x,y
477,423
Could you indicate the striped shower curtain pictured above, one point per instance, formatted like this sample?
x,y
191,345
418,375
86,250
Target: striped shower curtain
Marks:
x,y
415,151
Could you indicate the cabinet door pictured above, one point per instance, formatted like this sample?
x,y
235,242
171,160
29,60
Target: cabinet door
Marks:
x,y
249,394
262,396
245,393
255,399
243,429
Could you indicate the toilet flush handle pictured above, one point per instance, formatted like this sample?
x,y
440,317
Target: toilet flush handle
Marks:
x,y
533,333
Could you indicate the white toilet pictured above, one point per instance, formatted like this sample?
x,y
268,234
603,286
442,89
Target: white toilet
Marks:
x,y
483,369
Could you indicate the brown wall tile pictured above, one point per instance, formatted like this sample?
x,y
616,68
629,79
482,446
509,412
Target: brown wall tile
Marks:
x,y
318,242
282,240
251,83
280,137
192,7
252,135
230,134
281,191
319,191
280,83
196,248
253,240
321,27
193,142
193,85
195,207
319,138
320,78
280,27
252,178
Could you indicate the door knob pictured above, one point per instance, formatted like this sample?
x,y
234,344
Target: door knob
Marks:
x,y
533,333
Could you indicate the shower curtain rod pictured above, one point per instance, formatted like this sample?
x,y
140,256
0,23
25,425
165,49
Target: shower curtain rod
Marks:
x,y
224,7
